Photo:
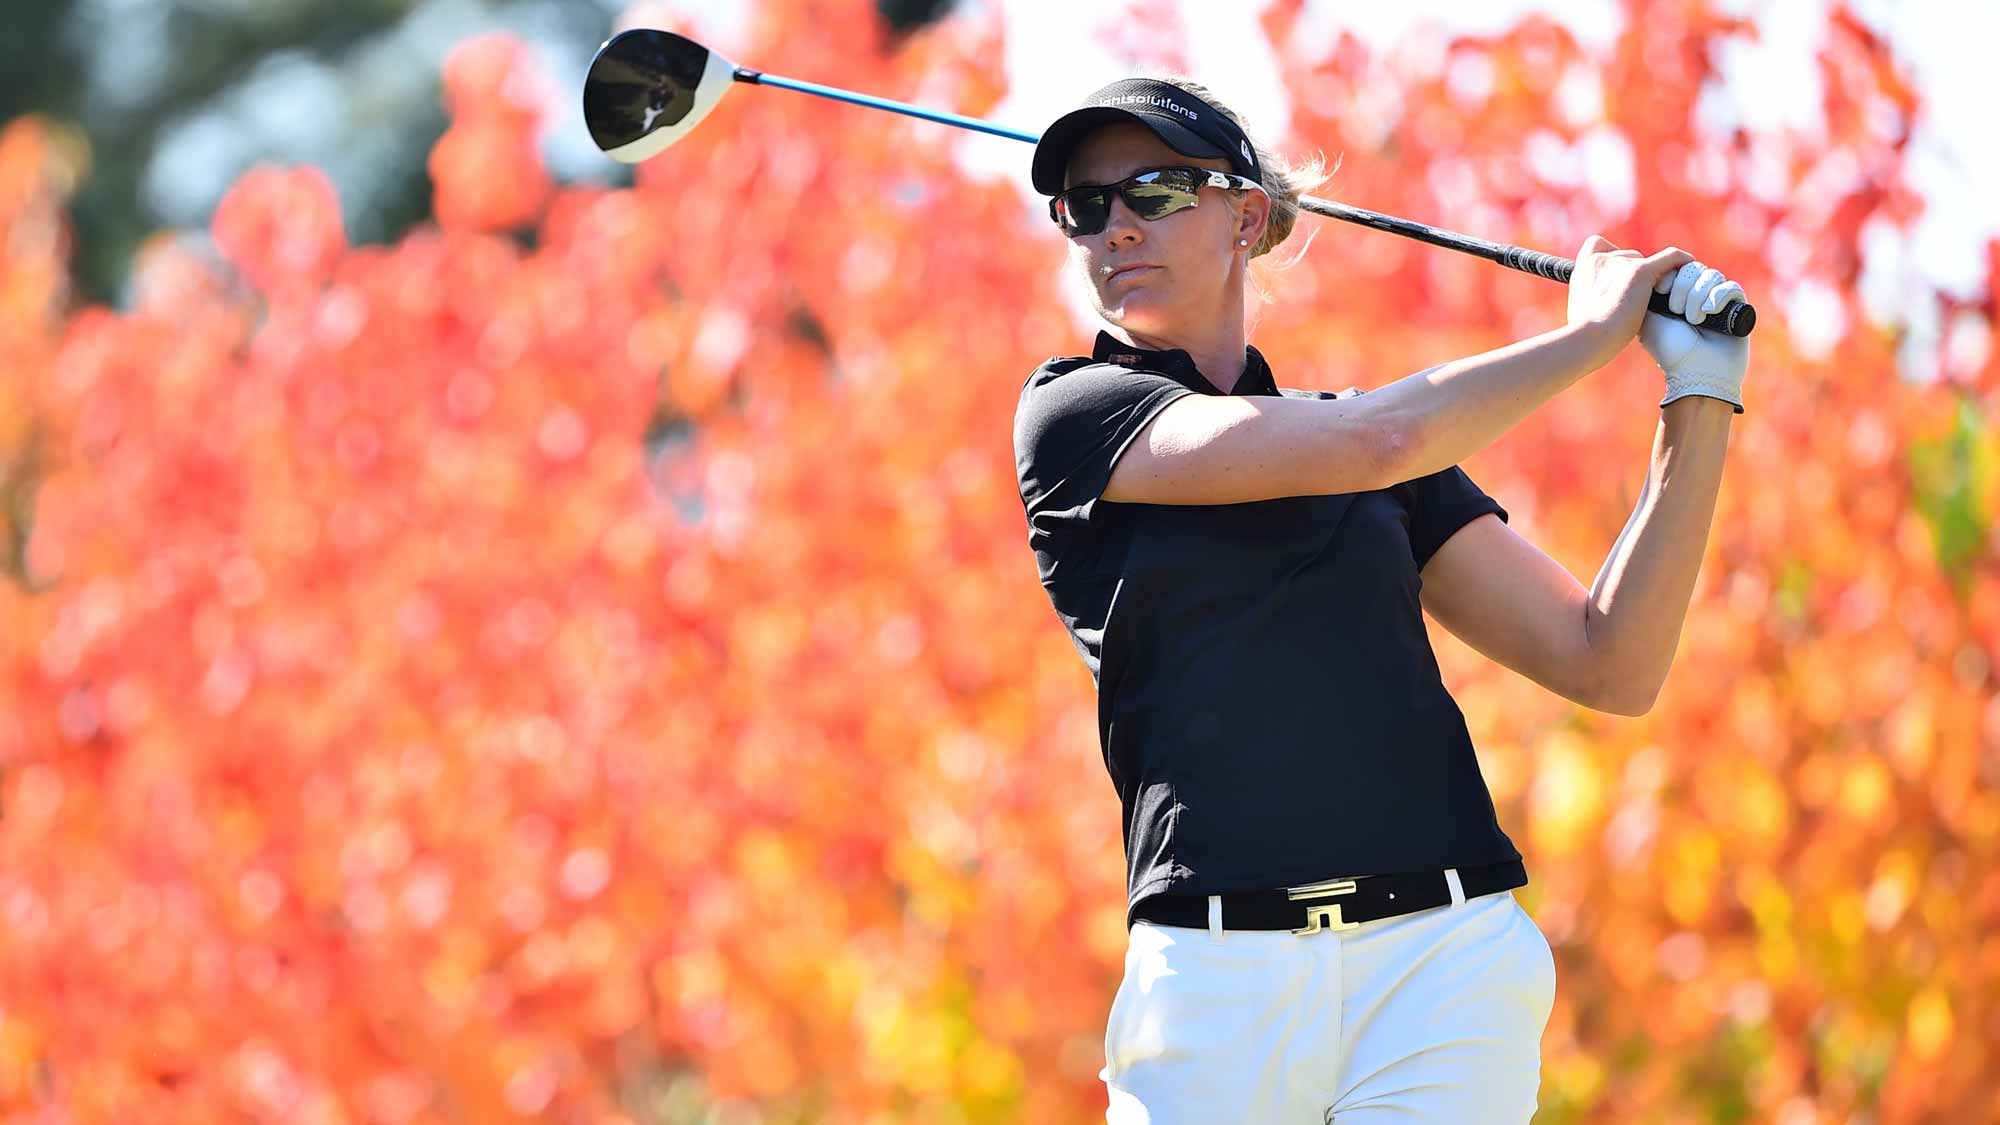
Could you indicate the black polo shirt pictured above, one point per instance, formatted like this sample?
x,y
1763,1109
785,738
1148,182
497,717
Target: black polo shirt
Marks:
x,y
1268,706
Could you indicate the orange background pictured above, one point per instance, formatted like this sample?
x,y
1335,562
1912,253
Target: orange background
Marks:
x,y
581,662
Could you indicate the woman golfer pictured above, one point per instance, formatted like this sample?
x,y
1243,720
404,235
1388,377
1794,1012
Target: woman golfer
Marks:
x,y
1320,909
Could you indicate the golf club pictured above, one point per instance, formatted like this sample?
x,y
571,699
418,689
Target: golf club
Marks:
x,y
647,89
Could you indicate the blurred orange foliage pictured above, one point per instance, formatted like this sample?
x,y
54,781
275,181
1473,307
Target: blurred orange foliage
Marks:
x,y
451,681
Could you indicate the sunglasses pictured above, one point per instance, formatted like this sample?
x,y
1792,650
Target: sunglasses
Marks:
x,y
1152,194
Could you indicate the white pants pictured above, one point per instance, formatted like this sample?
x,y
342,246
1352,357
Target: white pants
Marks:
x,y
1435,1016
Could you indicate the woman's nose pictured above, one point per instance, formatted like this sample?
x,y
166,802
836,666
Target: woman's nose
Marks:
x,y
1119,221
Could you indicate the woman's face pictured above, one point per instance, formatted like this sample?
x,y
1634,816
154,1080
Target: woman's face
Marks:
x,y
1192,253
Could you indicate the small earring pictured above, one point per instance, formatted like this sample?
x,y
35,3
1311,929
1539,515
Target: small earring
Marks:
x,y
1242,242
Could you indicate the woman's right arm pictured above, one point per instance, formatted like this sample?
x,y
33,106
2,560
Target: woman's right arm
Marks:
x,y
1227,449
1450,412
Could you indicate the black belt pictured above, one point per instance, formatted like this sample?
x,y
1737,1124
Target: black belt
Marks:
x,y
1331,904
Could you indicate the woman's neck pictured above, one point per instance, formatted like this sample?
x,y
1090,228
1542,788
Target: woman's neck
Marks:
x,y
1215,344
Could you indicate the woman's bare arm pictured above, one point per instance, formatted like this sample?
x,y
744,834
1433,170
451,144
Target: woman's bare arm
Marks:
x,y
1223,449
1640,598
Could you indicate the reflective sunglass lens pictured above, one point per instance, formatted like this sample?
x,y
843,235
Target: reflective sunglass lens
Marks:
x,y
1153,201
1150,195
1084,210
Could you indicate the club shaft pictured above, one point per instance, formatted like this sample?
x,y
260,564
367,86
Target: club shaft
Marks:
x,y
1736,319
1493,251
745,74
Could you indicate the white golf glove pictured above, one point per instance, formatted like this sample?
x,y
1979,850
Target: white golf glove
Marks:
x,y
1696,362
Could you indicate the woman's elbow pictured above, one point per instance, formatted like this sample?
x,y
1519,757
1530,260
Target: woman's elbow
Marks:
x,y
1630,702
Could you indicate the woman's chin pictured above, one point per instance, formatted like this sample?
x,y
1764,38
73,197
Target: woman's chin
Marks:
x,y
1139,312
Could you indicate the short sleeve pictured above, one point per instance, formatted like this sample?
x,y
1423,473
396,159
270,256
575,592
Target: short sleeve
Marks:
x,y
1070,427
1445,502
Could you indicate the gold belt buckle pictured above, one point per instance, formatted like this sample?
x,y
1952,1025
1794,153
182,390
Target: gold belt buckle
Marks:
x,y
1323,917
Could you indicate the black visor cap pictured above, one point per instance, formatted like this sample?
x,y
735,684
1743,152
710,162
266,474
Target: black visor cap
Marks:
x,y
1182,121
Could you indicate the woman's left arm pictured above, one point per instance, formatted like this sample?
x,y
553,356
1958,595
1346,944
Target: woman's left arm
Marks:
x,y
1640,598
1610,647
1607,647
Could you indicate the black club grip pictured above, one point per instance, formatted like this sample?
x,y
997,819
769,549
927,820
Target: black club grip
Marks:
x,y
1736,318
1536,262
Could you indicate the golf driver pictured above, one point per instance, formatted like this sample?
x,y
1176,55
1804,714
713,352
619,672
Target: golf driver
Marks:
x,y
647,89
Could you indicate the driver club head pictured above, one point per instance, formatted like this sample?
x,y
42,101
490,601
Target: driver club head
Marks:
x,y
647,89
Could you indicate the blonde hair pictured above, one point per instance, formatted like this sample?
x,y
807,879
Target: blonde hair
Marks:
x,y
1284,179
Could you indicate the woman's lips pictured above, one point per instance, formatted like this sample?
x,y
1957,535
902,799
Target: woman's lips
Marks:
x,y
1129,271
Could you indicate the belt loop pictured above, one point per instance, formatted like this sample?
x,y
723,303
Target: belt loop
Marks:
x,y
1457,888
1215,918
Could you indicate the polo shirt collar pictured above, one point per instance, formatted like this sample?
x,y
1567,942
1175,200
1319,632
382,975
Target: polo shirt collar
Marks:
x,y
1255,380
